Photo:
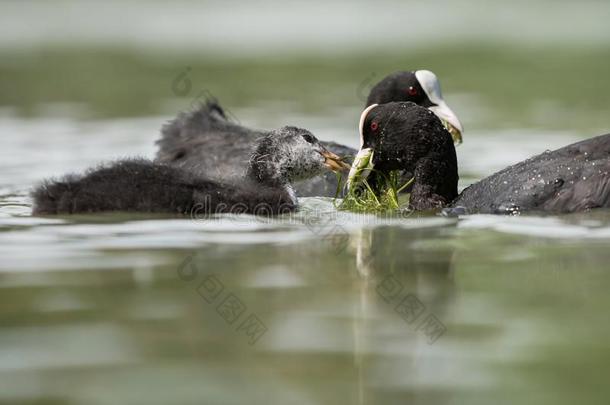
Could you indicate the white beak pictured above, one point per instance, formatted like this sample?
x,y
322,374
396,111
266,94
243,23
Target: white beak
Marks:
x,y
429,82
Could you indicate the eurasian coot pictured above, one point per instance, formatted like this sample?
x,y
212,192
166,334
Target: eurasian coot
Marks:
x,y
279,158
204,141
421,87
405,136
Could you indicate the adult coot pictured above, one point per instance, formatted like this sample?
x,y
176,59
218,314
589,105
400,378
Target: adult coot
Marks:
x,y
405,136
204,141
280,157
421,87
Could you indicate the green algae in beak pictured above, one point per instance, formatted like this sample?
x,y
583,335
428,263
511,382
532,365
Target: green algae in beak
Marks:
x,y
456,134
361,168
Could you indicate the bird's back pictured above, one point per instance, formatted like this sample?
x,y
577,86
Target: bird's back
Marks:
x,y
126,185
204,142
140,185
573,178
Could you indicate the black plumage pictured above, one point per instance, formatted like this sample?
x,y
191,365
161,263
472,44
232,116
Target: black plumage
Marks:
x,y
399,86
571,179
407,137
139,185
206,142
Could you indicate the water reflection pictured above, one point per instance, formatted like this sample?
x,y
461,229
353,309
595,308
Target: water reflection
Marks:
x,y
335,329
406,291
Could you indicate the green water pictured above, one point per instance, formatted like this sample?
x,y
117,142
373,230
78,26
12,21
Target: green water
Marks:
x,y
321,307
520,318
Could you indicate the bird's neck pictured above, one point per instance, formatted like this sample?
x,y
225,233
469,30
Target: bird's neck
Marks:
x,y
436,179
265,176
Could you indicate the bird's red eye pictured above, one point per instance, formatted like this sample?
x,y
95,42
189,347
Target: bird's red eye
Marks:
x,y
374,126
412,91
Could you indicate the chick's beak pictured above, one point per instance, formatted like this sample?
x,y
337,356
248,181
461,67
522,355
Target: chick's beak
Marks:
x,y
333,162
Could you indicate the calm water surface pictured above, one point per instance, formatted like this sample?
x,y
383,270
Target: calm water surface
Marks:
x,y
316,307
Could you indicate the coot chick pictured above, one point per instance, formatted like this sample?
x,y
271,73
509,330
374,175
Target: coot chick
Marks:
x,y
280,157
205,142
405,136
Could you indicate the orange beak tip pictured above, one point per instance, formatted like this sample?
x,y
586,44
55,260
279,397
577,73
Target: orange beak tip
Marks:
x,y
334,162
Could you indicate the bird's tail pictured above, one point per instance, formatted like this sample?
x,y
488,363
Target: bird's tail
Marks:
x,y
213,109
190,126
52,197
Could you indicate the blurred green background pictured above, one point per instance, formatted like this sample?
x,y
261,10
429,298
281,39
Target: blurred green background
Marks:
x,y
541,64
517,82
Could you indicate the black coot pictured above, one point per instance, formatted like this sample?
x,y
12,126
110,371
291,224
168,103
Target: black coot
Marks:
x,y
280,157
205,142
405,136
